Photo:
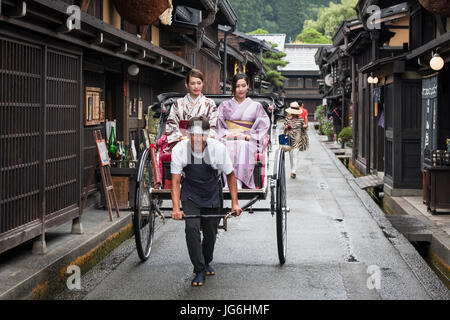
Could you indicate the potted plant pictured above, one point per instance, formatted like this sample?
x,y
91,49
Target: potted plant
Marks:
x,y
345,135
328,130
318,116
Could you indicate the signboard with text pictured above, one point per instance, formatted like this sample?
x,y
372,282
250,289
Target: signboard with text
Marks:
x,y
429,118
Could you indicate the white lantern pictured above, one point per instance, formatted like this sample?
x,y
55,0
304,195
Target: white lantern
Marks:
x,y
436,63
370,79
133,70
375,80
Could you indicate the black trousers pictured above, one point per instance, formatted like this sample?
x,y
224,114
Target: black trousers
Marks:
x,y
200,251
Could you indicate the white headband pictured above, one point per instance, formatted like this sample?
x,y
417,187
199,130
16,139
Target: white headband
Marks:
x,y
197,130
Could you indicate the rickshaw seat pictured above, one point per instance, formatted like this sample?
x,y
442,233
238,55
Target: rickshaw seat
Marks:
x,y
164,157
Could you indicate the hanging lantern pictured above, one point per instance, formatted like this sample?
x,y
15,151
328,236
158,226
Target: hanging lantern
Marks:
x,y
142,12
439,7
133,70
436,63
372,79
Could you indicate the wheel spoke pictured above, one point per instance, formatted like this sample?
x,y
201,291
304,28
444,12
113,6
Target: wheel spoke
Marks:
x,y
144,210
281,208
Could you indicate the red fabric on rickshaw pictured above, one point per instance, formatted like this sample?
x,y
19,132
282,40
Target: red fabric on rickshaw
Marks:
x,y
165,157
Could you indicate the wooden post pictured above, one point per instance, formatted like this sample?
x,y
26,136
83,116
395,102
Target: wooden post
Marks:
x,y
77,226
39,245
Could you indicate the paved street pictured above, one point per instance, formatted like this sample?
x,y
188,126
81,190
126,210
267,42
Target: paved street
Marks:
x,y
332,241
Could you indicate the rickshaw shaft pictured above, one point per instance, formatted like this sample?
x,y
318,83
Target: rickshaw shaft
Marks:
x,y
225,209
197,216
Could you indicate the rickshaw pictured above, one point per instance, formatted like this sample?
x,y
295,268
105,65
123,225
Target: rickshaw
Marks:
x,y
153,180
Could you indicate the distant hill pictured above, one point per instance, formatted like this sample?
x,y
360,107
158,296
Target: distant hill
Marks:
x,y
277,16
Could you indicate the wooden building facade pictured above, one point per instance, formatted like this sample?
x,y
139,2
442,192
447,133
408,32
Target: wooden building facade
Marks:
x,y
49,64
389,71
378,71
243,53
388,111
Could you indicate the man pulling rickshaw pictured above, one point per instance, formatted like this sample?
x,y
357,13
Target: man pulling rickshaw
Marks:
x,y
197,165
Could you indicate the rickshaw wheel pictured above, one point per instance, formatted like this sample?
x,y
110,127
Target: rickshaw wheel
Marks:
x,y
144,208
281,208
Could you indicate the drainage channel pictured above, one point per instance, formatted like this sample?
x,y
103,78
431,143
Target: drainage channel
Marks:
x,y
422,247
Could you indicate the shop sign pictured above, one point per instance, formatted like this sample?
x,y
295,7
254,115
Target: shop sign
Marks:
x,y
429,118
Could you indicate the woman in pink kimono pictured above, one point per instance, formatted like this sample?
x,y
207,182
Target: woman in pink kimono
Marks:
x,y
242,125
193,104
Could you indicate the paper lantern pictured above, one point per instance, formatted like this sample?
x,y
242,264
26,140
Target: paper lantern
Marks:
x,y
133,70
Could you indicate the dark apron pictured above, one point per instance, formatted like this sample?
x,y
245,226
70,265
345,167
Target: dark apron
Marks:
x,y
201,182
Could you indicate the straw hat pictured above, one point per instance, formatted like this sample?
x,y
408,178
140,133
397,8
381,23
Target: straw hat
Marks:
x,y
294,108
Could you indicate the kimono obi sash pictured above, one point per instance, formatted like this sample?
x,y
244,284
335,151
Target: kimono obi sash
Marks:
x,y
183,126
240,126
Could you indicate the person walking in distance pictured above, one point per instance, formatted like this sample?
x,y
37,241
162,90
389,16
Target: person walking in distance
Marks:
x,y
336,116
296,126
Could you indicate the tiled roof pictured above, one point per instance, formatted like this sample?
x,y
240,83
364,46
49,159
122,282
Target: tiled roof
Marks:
x,y
278,38
301,57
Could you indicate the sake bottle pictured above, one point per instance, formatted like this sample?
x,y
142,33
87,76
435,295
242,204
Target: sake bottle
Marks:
x,y
112,144
126,161
133,150
122,151
118,151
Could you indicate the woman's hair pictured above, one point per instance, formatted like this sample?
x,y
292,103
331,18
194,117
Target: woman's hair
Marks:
x,y
236,78
194,73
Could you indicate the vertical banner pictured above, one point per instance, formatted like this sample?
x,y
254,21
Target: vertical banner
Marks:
x,y
429,118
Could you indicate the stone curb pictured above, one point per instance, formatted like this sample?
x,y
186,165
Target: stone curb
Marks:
x,y
440,241
61,257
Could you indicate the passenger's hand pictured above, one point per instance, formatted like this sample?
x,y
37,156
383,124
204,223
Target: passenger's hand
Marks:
x,y
235,207
177,214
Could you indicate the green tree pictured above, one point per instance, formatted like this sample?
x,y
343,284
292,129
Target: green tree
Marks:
x,y
331,17
259,31
277,16
248,18
272,61
310,35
